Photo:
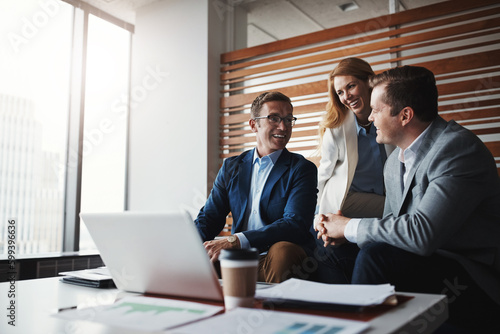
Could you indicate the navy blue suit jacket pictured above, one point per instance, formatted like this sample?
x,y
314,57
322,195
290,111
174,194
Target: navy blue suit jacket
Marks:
x,y
287,203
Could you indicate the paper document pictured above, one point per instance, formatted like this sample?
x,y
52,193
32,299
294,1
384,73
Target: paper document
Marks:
x,y
96,278
101,273
244,320
143,313
344,294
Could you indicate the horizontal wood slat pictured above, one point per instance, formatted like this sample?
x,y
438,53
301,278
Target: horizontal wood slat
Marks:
x,y
226,231
369,54
390,33
290,91
380,45
441,66
494,147
422,13
472,114
486,131
459,41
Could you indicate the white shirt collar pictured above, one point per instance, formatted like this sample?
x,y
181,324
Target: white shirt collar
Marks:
x,y
409,155
411,151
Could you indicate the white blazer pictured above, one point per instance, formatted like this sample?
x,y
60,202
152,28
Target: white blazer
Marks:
x,y
339,158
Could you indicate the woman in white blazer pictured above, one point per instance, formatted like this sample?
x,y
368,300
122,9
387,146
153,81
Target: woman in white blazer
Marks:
x,y
346,138
347,114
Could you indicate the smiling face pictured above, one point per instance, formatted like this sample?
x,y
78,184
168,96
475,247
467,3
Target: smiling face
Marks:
x,y
271,138
354,94
390,129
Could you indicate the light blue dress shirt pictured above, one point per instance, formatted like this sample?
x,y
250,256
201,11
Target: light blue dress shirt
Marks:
x,y
261,168
369,175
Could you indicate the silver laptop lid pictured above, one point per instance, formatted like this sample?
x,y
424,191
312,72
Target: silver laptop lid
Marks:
x,y
157,253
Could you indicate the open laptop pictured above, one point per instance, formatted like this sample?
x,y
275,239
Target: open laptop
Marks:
x,y
156,253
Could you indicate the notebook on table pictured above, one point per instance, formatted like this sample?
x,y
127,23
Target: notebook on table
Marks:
x,y
154,253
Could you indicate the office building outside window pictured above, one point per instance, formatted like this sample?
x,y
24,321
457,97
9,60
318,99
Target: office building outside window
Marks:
x,y
36,50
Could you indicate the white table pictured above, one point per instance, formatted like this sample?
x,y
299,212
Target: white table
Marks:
x,y
37,299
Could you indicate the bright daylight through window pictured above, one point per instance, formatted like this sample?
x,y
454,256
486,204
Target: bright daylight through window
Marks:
x,y
36,43
104,144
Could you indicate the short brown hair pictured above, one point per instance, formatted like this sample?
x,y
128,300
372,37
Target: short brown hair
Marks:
x,y
267,97
409,86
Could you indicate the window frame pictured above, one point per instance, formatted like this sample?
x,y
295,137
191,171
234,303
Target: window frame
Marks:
x,y
73,182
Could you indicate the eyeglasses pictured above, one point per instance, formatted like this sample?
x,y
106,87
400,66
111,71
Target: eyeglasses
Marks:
x,y
276,120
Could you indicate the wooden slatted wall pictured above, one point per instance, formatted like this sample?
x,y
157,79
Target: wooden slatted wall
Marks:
x,y
458,40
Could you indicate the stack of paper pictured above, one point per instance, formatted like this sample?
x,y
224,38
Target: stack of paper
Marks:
x,y
95,278
347,297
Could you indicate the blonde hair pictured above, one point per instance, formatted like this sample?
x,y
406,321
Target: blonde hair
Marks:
x,y
335,110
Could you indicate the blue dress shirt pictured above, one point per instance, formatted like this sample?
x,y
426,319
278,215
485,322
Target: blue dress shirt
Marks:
x,y
369,175
261,168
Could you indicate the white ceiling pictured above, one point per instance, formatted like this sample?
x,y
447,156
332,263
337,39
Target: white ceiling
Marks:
x,y
271,20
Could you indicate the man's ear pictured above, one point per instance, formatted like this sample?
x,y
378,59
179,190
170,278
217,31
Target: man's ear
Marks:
x,y
407,115
253,125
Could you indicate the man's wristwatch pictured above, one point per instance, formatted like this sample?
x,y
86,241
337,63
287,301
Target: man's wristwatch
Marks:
x,y
233,240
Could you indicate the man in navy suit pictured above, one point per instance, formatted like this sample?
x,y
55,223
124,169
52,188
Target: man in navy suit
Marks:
x,y
270,192
440,232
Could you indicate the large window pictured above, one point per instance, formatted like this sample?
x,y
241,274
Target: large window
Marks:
x,y
105,126
42,56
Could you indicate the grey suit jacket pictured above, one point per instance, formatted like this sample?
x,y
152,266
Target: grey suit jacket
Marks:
x,y
450,204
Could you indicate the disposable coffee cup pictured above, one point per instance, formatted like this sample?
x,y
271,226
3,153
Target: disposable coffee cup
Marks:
x,y
239,276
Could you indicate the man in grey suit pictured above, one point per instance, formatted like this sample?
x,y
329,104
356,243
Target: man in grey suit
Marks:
x,y
440,232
